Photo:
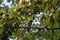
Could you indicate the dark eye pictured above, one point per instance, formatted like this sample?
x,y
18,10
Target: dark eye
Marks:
x,y
35,20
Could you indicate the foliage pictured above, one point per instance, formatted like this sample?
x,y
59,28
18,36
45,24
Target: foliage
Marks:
x,y
11,19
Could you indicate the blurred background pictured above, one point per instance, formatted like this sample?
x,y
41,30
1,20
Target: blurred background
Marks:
x,y
29,19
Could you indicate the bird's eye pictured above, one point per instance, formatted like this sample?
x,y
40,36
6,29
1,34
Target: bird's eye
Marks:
x,y
35,20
